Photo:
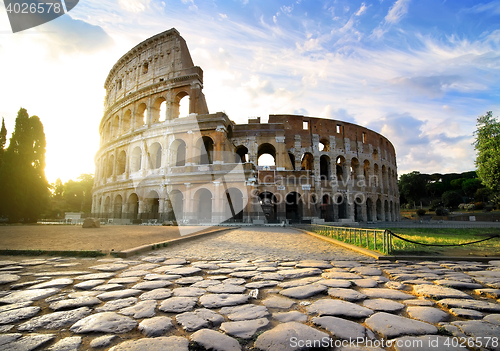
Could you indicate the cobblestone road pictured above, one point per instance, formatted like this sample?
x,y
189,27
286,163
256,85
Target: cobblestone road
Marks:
x,y
249,289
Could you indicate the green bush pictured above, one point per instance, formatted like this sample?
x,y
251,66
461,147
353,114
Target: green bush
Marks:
x,y
441,211
421,212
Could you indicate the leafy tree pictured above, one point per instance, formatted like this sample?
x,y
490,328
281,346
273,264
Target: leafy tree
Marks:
x,y
470,186
25,192
412,186
487,145
452,198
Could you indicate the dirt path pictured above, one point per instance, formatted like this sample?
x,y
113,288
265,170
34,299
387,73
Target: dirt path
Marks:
x,y
70,237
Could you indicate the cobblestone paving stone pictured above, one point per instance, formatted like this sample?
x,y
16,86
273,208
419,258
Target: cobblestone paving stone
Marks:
x,y
258,288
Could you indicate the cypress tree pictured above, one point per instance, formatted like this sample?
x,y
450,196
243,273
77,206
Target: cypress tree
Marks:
x,y
25,187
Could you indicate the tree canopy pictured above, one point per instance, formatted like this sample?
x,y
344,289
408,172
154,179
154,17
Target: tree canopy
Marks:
x,y
487,145
24,194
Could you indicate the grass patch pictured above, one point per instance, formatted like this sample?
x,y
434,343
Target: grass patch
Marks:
x,y
52,253
446,236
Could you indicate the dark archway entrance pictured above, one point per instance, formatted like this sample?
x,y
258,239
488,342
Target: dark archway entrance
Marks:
x,y
268,203
294,207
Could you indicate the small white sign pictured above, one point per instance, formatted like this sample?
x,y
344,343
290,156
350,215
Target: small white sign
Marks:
x,y
472,218
306,187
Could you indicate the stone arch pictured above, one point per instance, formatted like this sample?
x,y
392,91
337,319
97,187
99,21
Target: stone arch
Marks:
x,y
324,167
203,205
233,205
379,209
369,210
268,203
182,96
127,121
294,206
324,145
116,126
307,162
135,162
110,166
266,149
107,206
154,156
205,150
386,211
159,111
178,153
340,166
241,154
141,115
117,208
121,162
133,206
327,208
376,171
367,172
341,203
177,205
152,204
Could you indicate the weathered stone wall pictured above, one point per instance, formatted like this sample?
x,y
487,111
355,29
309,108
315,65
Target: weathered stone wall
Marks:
x,y
205,168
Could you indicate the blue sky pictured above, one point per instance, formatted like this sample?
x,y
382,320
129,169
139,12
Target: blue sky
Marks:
x,y
419,72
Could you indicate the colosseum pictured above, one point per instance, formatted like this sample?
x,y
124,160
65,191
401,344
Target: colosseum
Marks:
x,y
163,156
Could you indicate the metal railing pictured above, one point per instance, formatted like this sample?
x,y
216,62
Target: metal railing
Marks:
x,y
372,239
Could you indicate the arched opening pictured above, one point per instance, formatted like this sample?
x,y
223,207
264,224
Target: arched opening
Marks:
x,y
141,116
203,199
327,208
266,155
155,156
294,207
121,162
369,212
324,167
205,147
380,215
375,154
116,126
268,203
152,205
177,206
307,163
135,162
366,170
178,153
117,212
241,154
180,107
127,121
133,206
340,165
145,68
233,205
184,106
111,164
386,210
341,203
324,145
159,110
358,208
107,207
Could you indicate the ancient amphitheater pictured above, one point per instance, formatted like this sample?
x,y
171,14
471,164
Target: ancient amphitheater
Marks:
x,y
157,163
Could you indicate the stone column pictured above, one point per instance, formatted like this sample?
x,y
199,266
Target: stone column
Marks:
x,y
217,157
218,203
280,153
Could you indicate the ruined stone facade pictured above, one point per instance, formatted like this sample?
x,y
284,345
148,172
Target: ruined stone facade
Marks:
x,y
156,164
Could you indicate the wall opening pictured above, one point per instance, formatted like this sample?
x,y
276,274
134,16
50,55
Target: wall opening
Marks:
x,y
266,155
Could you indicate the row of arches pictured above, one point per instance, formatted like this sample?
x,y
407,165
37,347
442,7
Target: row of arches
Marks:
x,y
157,112
202,207
204,151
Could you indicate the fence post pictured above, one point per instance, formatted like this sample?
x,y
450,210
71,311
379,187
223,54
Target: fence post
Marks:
x,y
383,243
367,242
375,240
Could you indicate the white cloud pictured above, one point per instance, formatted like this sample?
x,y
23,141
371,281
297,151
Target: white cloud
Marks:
x,y
397,11
362,9
135,5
